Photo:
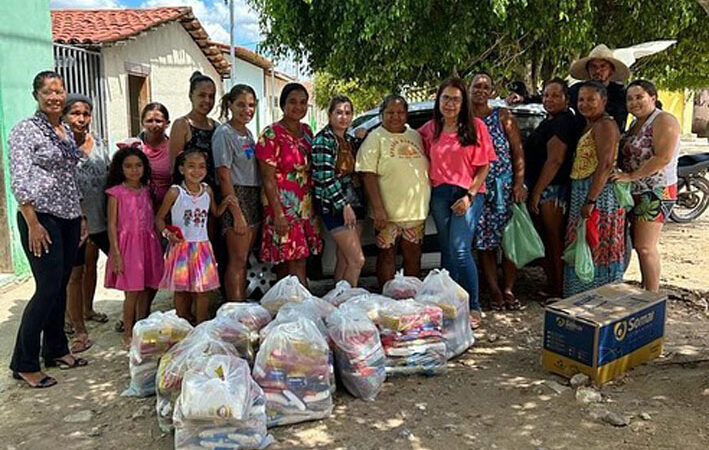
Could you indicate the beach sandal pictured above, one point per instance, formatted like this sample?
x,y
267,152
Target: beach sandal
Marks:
x,y
45,382
475,319
97,317
512,303
119,327
81,343
69,329
64,364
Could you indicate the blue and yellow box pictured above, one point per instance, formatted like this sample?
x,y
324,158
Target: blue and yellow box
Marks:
x,y
604,332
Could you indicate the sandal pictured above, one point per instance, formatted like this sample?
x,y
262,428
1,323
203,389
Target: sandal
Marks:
x,y
97,317
119,327
512,303
475,319
45,382
63,364
69,329
81,344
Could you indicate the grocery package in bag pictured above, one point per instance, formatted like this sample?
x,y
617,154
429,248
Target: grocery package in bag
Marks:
x,y
520,240
293,367
370,304
286,290
440,290
342,292
152,337
201,342
359,356
411,337
313,308
220,406
401,286
234,333
252,315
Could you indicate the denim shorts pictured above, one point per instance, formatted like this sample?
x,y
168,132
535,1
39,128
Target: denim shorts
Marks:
x,y
558,194
334,221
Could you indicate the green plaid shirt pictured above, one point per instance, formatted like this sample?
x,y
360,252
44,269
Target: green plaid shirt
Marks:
x,y
329,190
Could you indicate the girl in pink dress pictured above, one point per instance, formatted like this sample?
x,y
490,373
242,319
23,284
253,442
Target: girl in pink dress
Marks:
x,y
135,257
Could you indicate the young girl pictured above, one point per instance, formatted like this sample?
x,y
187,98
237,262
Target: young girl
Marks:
x,y
155,119
135,257
190,266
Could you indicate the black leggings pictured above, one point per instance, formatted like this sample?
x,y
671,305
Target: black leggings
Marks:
x,y
44,314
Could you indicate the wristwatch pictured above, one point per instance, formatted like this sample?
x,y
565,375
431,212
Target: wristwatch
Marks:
x,y
590,202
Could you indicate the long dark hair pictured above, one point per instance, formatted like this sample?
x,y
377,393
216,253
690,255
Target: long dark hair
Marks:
x,y
177,176
466,127
197,78
287,90
115,170
230,97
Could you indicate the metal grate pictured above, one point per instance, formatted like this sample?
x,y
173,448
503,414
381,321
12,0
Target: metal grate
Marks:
x,y
82,71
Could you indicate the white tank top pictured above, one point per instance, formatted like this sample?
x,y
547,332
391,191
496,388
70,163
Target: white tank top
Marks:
x,y
190,212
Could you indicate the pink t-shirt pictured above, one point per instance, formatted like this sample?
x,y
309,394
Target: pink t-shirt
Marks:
x,y
161,178
452,163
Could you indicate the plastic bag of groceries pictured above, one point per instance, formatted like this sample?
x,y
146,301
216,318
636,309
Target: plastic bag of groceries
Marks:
x,y
152,337
294,368
220,406
234,333
286,290
370,304
201,342
359,356
252,315
440,290
401,286
342,292
411,337
292,312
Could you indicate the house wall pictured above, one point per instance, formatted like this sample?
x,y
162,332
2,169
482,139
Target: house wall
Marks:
x,y
247,73
172,56
25,49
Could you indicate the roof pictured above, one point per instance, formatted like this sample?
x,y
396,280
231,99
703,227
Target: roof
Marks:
x,y
246,55
95,27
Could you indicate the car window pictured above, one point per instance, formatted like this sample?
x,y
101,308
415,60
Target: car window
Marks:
x,y
361,119
418,118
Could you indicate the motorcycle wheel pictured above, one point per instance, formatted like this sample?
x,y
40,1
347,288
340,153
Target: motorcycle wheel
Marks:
x,y
692,200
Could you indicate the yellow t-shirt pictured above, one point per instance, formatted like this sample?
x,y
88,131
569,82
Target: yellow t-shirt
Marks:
x,y
401,164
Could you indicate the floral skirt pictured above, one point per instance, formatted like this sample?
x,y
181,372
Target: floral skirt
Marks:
x,y
608,256
190,267
303,239
497,210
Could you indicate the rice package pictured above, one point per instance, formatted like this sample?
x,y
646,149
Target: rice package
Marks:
x,y
293,367
201,342
401,286
359,356
286,290
220,406
234,333
342,292
411,337
440,290
152,337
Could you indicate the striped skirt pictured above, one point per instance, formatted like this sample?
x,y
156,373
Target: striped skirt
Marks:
x,y
190,267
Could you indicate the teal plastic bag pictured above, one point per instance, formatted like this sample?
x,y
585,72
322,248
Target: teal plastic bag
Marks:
x,y
520,239
578,254
623,195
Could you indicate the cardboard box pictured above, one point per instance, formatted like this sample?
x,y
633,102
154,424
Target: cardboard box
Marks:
x,y
604,332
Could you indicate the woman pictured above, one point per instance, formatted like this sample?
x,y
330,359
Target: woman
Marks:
x,y
155,119
238,175
43,158
394,170
91,176
196,129
649,151
460,152
290,231
595,156
503,185
549,152
337,189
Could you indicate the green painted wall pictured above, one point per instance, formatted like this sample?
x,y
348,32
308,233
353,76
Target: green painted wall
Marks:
x,y
25,49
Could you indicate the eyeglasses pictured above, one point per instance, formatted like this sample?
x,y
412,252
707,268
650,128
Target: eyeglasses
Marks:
x,y
448,99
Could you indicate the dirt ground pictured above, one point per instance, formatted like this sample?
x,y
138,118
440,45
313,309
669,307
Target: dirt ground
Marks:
x,y
494,396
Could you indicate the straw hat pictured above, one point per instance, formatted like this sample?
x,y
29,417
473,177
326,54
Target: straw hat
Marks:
x,y
579,71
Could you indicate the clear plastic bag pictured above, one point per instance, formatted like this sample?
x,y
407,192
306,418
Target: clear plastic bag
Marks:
x,y
359,356
220,407
520,239
370,304
294,368
287,290
152,337
234,333
252,315
342,292
312,308
440,290
201,342
401,286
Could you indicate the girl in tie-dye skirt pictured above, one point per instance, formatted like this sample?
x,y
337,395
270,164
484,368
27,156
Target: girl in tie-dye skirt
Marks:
x,y
190,267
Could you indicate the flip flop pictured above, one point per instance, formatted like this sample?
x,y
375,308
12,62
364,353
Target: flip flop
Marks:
x,y
119,327
45,382
81,344
512,303
63,365
68,329
97,317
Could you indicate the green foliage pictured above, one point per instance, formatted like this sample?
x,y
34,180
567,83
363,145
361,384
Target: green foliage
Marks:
x,y
363,96
408,43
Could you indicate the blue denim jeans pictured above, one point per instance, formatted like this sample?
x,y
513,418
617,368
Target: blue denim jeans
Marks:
x,y
455,237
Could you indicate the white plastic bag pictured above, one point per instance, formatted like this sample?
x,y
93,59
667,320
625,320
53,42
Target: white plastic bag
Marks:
x,y
359,357
252,315
293,311
401,286
370,304
287,290
234,333
152,337
342,292
294,368
439,289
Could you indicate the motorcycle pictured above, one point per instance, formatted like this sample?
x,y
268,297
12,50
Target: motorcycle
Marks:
x,y
692,188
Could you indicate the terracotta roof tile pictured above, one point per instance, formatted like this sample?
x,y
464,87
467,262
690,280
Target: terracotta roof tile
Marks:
x,y
245,54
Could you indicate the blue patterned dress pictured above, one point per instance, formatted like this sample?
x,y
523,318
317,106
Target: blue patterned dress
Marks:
x,y
498,188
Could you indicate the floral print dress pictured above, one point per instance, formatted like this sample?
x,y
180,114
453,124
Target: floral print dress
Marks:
x,y
291,157
498,188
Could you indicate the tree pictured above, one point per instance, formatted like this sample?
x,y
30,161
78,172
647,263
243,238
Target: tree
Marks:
x,y
419,42
363,96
